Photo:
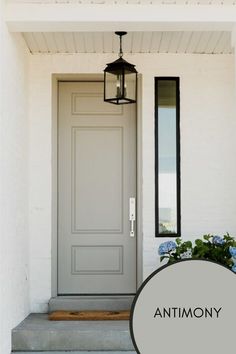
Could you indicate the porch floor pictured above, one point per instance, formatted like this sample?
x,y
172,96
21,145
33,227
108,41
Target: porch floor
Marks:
x,y
36,333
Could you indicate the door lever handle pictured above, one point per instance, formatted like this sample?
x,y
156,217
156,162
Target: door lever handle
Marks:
x,y
132,215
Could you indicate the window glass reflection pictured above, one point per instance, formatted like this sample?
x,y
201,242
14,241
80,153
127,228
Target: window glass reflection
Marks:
x,y
167,157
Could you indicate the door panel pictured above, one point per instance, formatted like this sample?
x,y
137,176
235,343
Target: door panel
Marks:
x,y
98,170
97,176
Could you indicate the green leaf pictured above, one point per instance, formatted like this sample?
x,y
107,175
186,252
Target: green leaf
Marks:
x,y
198,242
178,241
207,237
188,244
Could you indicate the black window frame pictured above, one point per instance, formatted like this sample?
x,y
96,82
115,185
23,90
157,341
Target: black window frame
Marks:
x,y
178,172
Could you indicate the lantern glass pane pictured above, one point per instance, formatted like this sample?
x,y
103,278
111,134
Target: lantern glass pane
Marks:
x,y
111,86
130,86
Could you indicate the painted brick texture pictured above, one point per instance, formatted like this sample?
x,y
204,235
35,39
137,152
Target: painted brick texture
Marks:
x,y
14,236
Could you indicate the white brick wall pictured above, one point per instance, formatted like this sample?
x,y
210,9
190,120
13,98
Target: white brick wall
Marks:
x,y
14,236
208,145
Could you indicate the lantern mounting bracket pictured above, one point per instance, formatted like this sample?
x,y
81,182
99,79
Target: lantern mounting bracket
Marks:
x,y
120,34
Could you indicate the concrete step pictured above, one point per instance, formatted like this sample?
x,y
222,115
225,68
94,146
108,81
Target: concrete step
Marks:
x,y
37,333
73,352
80,303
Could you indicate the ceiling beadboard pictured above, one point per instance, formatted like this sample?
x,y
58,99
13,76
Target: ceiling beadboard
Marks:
x,y
135,42
138,2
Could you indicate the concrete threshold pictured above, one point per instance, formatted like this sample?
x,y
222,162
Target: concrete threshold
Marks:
x,y
91,302
36,333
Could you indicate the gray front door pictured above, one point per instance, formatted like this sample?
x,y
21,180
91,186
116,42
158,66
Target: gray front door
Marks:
x,y
96,179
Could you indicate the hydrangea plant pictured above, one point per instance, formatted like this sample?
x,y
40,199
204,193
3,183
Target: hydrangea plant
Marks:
x,y
210,247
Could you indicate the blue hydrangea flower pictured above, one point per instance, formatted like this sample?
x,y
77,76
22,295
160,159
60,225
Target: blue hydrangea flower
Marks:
x,y
217,240
232,251
234,268
166,247
187,254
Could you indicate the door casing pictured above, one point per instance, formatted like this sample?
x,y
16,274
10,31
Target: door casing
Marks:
x,y
56,78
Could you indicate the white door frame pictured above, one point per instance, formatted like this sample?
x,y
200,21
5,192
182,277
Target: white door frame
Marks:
x,y
91,77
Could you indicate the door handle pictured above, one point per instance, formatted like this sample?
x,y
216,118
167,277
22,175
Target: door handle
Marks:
x,y
132,215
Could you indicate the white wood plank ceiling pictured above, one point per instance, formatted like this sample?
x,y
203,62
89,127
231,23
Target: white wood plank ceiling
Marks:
x,y
215,42
138,2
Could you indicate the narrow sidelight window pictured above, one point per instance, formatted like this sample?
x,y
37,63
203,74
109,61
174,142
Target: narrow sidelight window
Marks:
x,y
167,157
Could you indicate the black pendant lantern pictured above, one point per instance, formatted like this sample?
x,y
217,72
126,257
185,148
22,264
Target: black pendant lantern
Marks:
x,y
120,79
